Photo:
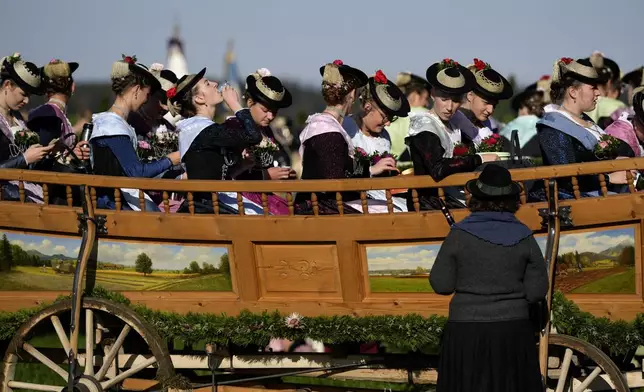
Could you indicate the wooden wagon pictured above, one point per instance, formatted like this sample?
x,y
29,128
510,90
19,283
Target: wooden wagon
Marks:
x,y
350,279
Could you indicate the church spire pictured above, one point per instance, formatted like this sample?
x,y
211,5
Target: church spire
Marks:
x,y
176,60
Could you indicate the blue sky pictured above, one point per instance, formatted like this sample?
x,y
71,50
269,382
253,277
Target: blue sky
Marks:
x,y
412,256
170,257
293,38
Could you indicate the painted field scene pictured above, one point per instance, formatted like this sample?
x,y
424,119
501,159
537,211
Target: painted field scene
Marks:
x,y
596,262
589,262
37,262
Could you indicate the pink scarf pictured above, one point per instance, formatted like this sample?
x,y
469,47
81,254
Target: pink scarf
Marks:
x,y
623,130
321,123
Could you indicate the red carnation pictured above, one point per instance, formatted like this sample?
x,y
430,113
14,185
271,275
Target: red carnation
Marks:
x,y
496,136
566,60
171,93
338,62
480,65
128,60
380,77
460,150
545,77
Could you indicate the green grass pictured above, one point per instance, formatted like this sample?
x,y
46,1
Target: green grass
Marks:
x,y
622,283
34,278
202,283
391,284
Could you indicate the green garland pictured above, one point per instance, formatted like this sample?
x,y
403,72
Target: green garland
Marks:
x,y
400,333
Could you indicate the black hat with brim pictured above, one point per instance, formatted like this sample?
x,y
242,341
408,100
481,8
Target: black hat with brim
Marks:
x,y
269,91
389,98
25,74
351,75
520,98
185,84
582,71
635,77
638,103
494,182
46,80
450,77
491,85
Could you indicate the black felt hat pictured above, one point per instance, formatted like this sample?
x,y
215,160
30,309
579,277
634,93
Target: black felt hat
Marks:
x,y
450,77
268,90
494,181
635,77
388,96
606,68
346,74
185,84
581,70
129,64
489,83
55,70
638,103
24,73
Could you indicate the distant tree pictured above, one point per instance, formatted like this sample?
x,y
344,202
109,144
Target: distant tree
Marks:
x,y
194,268
6,255
420,270
224,265
208,269
143,264
627,257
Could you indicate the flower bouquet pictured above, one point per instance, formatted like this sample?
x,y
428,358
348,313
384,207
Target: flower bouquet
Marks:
x,y
264,153
377,156
144,150
461,150
493,144
361,161
25,138
164,141
607,147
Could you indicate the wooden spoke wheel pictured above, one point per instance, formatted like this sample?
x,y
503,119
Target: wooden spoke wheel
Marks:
x,y
107,331
575,365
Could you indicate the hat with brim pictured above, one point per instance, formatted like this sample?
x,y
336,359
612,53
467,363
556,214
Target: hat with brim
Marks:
x,y
129,64
405,79
185,84
606,68
57,69
494,182
520,98
450,77
24,73
490,84
339,73
166,78
580,70
638,103
389,98
635,77
269,91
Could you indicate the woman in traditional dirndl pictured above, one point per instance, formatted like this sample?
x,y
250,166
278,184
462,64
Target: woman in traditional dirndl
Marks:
x,y
493,265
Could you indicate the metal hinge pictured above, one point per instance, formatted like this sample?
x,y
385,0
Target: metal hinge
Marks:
x,y
564,214
99,220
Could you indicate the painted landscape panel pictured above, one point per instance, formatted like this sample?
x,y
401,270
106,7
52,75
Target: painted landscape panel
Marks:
x,y
598,262
43,262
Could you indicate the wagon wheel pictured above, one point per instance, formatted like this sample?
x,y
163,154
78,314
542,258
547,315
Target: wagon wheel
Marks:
x,y
109,330
575,365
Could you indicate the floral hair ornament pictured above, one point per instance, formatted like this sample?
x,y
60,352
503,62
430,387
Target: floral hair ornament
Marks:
x,y
171,93
14,58
380,77
338,62
157,67
447,63
566,60
545,77
129,59
481,65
